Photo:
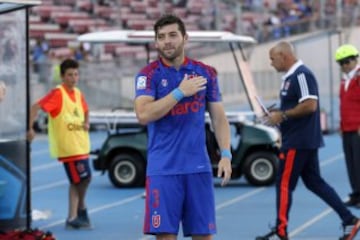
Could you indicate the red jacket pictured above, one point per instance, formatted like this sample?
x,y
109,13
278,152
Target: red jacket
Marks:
x,y
350,104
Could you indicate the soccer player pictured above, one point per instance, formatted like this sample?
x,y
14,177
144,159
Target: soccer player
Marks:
x,y
172,95
299,120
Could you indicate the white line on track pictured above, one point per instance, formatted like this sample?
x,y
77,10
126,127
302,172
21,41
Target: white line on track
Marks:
x,y
38,152
293,233
310,222
98,209
56,184
324,213
331,160
49,186
45,166
240,198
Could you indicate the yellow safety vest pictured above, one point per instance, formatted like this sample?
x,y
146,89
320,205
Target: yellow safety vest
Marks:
x,y
67,136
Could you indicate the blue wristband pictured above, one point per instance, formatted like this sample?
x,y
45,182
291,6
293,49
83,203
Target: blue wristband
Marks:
x,y
177,94
226,153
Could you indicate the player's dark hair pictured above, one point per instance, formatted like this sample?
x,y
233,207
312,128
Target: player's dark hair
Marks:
x,y
168,19
66,64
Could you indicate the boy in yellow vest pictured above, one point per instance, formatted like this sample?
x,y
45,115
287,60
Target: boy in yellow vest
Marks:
x,y
68,138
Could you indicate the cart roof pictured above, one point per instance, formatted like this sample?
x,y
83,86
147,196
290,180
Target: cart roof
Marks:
x,y
10,5
146,36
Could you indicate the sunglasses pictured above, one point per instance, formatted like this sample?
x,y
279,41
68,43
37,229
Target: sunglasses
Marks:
x,y
344,61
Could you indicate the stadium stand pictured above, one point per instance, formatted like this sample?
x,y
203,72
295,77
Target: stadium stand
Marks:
x,y
63,18
38,30
59,22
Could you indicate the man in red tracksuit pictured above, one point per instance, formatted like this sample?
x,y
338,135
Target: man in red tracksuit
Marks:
x,y
347,57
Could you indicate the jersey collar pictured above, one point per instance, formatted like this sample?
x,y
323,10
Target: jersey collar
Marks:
x,y
352,73
292,69
68,90
185,62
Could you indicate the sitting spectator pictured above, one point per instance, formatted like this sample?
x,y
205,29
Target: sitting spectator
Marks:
x,y
82,52
39,53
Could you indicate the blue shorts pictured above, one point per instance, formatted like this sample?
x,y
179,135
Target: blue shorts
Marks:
x,y
187,198
77,170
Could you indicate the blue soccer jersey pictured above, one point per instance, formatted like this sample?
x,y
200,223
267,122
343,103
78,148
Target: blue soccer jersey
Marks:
x,y
176,142
299,84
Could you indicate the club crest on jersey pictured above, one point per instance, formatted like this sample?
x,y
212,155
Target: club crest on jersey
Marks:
x,y
141,82
287,85
192,75
156,220
164,82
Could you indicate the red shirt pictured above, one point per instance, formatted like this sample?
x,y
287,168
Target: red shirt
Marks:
x,y
52,102
350,103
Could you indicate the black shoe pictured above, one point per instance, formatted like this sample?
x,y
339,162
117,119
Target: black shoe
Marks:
x,y
352,202
351,230
354,199
273,235
84,217
74,224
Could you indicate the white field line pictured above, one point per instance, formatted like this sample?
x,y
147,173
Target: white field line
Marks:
x,y
218,207
39,152
46,150
100,208
324,213
46,166
239,198
56,184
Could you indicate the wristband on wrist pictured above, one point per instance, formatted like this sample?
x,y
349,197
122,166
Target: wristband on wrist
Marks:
x,y
226,153
177,94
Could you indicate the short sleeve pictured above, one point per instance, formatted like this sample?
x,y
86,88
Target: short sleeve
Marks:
x,y
307,86
144,85
52,102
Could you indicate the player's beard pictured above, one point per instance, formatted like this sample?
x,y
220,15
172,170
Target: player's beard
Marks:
x,y
171,54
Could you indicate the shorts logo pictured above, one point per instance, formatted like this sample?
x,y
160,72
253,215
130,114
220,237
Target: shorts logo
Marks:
x,y
141,82
156,220
80,167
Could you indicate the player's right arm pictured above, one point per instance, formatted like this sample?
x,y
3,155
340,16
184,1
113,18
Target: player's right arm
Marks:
x,y
148,109
51,103
33,115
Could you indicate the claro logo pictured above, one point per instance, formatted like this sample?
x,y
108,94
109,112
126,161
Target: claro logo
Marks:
x,y
188,107
75,127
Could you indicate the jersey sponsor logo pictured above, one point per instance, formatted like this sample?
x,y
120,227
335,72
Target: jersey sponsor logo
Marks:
x,y
188,107
141,82
156,220
75,127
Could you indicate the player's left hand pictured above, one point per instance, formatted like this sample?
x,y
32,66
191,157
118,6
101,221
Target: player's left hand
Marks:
x,y
224,170
274,118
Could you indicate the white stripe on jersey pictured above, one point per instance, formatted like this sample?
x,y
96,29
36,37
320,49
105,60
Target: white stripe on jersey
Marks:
x,y
303,85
